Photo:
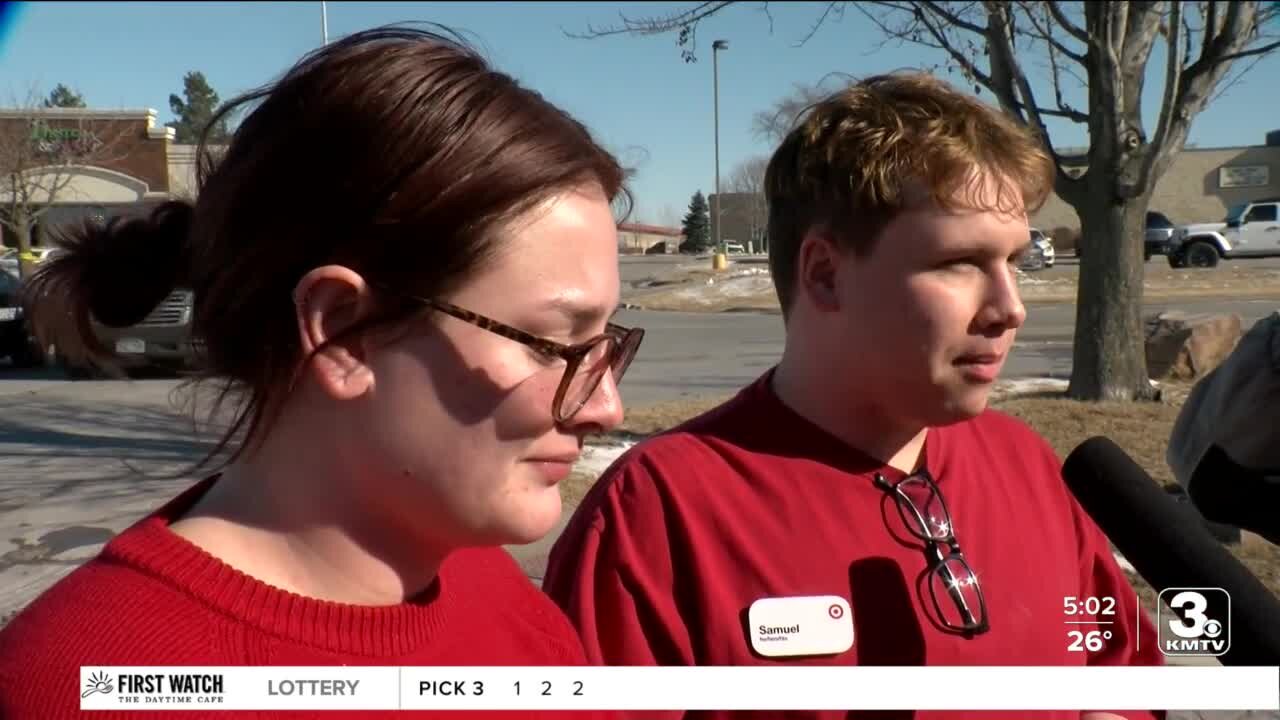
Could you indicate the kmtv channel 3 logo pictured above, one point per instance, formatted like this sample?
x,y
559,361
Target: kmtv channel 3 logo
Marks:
x,y
1194,621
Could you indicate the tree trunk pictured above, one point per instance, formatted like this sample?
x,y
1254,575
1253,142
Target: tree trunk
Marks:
x,y
22,231
1109,355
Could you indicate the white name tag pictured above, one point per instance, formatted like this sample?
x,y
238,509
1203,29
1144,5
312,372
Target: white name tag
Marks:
x,y
794,626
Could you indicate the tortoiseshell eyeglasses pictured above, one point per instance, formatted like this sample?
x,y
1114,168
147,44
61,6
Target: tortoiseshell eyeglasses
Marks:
x,y
585,363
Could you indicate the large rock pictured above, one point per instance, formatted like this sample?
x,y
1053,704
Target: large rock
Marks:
x,y
1187,346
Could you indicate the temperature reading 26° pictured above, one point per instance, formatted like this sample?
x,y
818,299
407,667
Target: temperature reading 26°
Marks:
x,y
1091,641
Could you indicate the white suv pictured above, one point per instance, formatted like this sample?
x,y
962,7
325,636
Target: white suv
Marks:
x,y
1250,229
1042,241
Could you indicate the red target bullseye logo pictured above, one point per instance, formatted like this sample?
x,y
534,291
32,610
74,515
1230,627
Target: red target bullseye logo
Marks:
x,y
836,612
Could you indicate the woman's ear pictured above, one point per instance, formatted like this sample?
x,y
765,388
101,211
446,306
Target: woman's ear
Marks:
x,y
329,301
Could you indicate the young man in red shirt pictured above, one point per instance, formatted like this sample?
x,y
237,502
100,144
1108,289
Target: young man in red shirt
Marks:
x,y
865,468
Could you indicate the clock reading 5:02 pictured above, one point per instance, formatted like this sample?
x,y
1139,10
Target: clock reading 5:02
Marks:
x,y
1089,605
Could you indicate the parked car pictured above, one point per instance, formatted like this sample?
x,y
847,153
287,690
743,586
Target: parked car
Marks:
x,y
9,257
16,342
1250,229
1033,259
1159,230
1045,244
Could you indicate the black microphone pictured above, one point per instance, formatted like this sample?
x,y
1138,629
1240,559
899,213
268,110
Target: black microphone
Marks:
x,y
1229,493
1169,545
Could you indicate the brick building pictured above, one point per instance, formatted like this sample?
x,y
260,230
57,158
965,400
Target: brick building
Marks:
x,y
88,162
639,239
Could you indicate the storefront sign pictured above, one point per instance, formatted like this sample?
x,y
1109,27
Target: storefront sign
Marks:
x,y
1240,176
51,140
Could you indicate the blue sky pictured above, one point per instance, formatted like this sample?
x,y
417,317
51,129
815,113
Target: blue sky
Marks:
x,y
636,93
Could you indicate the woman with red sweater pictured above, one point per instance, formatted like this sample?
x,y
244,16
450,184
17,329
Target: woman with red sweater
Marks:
x,y
403,268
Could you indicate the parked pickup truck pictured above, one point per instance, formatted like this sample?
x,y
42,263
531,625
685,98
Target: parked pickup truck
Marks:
x,y
1250,229
161,340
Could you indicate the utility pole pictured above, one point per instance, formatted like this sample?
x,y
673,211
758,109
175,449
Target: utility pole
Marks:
x,y
716,47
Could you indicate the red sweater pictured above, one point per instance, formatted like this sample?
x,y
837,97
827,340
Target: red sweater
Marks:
x,y
672,546
152,598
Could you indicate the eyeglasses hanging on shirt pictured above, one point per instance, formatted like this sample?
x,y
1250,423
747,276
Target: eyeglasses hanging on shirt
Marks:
x,y
953,585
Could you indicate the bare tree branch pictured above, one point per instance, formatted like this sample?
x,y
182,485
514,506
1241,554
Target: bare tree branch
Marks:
x,y
1227,83
1004,63
1226,41
747,178
1212,28
654,25
1066,24
1254,52
1172,79
684,23
1042,32
1056,74
902,35
774,124
951,18
818,23
921,16
1187,32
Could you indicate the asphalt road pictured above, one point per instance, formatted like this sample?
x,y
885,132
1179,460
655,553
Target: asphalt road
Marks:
x,y
690,354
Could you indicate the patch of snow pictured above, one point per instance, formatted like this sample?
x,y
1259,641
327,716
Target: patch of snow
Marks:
x,y
737,287
1024,386
1124,564
1029,386
597,458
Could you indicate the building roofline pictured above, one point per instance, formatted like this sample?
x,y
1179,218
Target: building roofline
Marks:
x,y
650,229
11,112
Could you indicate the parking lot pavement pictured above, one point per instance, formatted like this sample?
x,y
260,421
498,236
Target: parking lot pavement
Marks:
x,y
81,461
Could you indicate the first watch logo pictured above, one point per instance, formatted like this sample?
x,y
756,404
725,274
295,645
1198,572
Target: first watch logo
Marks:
x,y
175,687
1194,621
98,682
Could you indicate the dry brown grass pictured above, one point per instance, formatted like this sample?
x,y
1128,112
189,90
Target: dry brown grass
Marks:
x,y
1142,429
661,416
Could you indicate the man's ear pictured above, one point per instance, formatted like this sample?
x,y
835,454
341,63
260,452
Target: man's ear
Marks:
x,y
817,266
328,301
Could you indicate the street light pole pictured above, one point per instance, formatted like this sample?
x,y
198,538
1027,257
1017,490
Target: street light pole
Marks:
x,y
324,21
716,47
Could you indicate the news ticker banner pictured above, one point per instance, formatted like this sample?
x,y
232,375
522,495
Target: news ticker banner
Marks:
x,y
679,688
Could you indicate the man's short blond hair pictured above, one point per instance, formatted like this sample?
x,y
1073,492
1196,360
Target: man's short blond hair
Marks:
x,y
854,158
